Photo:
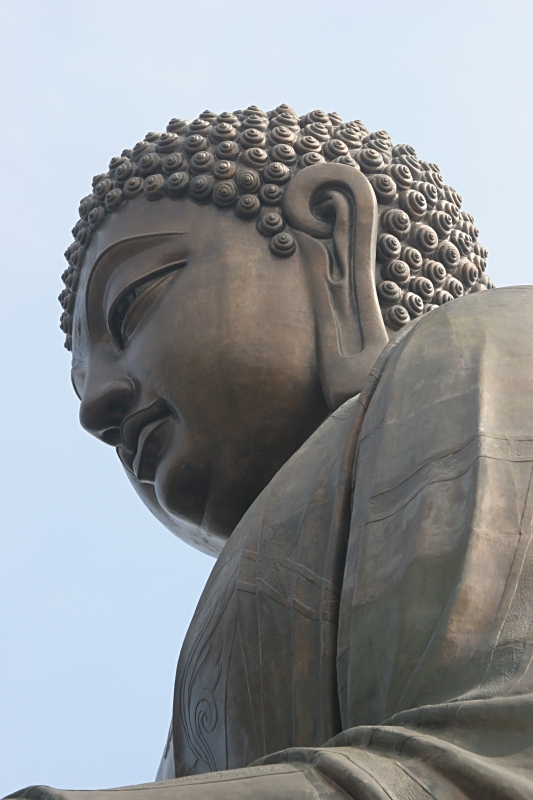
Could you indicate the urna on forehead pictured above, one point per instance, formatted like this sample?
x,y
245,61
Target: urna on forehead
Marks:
x,y
427,250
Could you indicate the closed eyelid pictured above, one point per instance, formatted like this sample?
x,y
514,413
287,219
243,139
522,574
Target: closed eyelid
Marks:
x,y
138,298
140,268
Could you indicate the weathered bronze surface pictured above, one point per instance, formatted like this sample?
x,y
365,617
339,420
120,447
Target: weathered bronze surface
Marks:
x,y
257,347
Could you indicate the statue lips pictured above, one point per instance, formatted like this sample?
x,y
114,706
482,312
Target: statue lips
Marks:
x,y
144,435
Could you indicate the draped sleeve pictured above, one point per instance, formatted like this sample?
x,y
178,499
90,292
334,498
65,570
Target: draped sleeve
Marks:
x,y
435,634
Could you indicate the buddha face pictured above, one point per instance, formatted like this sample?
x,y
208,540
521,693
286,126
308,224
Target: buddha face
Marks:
x,y
194,356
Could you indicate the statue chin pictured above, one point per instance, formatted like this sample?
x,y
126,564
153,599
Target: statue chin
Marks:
x,y
192,533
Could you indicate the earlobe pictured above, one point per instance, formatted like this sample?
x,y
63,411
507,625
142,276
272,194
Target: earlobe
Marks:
x,y
336,203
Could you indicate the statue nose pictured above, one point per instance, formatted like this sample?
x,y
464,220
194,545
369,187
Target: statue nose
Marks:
x,y
103,409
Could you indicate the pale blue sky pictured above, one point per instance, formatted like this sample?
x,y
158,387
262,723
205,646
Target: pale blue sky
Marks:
x,y
95,595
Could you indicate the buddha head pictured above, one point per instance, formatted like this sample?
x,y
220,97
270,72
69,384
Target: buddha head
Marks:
x,y
231,283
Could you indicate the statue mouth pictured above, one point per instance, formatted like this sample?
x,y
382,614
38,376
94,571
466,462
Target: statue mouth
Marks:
x,y
144,435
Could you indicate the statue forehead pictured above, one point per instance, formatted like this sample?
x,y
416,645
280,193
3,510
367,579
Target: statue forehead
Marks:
x,y
139,220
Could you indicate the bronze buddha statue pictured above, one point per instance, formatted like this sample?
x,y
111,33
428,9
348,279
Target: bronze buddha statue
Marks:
x,y
259,311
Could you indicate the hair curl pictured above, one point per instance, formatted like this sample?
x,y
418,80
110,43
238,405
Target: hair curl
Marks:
x,y
427,250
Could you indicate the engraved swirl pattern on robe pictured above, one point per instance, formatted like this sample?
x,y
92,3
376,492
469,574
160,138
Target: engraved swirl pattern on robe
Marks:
x,y
199,713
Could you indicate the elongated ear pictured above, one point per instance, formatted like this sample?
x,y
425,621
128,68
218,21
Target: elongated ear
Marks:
x,y
335,203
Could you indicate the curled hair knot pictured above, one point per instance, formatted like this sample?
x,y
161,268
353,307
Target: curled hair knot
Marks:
x,y
283,245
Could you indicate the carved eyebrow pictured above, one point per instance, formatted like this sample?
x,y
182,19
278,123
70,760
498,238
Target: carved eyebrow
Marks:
x,y
135,244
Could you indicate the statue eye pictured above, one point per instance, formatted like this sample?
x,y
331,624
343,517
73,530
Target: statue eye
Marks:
x,y
135,302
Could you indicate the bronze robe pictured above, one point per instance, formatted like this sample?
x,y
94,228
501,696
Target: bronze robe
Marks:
x,y
387,609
